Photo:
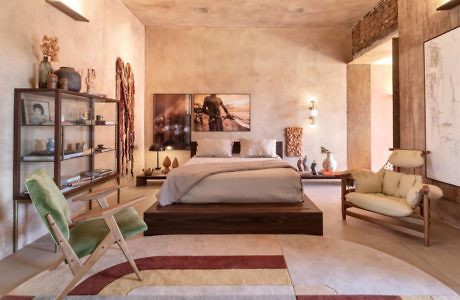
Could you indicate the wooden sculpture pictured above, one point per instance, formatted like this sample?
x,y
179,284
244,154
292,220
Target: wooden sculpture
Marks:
x,y
294,141
166,164
175,163
125,93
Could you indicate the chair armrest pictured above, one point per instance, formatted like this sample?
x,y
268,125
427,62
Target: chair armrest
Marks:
x,y
415,194
99,194
104,213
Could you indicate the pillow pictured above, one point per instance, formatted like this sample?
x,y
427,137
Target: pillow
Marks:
x,y
391,181
214,148
258,148
367,182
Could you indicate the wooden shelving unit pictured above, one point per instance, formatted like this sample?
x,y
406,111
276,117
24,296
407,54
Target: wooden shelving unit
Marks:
x,y
68,118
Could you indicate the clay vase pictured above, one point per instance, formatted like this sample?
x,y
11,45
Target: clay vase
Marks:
x,y
166,164
52,81
72,76
175,163
329,164
64,84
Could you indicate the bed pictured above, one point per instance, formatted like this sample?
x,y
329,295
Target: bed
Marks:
x,y
276,206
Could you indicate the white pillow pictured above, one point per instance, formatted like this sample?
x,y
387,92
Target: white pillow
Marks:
x,y
214,148
258,148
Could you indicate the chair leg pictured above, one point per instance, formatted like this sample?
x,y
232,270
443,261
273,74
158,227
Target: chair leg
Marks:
x,y
426,219
100,250
124,248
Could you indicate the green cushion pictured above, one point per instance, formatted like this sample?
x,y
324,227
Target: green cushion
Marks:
x,y
47,198
85,236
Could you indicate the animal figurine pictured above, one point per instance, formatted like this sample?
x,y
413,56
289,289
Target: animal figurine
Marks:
x,y
313,168
299,165
304,164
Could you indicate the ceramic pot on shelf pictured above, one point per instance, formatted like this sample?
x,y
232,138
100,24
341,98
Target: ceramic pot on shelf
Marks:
x,y
330,164
73,77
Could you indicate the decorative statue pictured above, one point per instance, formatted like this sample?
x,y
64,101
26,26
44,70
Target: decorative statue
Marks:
x,y
313,168
166,164
90,78
299,165
175,163
148,172
304,164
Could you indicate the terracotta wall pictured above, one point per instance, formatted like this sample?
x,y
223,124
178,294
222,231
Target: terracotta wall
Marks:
x,y
112,31
418,22
279,67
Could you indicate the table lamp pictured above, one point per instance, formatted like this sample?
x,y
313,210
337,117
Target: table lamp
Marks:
x,y
157,148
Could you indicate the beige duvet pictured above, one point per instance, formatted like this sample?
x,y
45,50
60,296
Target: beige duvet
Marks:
x,y
249,181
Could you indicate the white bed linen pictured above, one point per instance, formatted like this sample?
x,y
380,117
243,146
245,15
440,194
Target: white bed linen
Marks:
x,y
281,185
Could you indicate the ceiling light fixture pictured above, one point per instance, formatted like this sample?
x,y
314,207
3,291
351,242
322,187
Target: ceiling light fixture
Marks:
x,y
200,10
70,8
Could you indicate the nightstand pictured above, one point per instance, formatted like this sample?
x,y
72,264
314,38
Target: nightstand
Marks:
x,y
142,179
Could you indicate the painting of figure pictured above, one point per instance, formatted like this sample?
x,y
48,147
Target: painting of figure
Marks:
x,y
222,112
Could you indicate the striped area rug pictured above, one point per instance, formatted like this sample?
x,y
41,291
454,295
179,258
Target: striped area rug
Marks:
x,y
194,276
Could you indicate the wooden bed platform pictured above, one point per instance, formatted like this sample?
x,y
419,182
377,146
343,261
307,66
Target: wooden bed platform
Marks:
x,y
262,218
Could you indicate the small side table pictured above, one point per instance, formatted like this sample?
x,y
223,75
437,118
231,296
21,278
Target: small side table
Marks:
x,y
142,179
332,175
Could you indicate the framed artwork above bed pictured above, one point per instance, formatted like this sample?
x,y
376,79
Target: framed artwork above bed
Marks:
x,y
222,112
171,121
442,107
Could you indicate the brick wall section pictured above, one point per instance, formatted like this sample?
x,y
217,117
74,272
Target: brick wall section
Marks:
x,y
375,25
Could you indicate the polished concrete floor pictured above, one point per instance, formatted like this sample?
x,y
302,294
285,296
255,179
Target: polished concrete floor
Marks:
x,y
441,260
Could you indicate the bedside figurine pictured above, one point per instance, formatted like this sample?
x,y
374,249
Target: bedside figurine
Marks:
x,y
166,164
175,163
299,165
304,164
313,168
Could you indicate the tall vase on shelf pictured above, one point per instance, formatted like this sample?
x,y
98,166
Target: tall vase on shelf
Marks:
x,y
44,69
330,164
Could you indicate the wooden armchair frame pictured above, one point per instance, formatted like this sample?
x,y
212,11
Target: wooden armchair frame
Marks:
x,y
417,224
114,236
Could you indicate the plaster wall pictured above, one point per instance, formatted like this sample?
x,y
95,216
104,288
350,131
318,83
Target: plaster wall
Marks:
x,y
112,31
381,114
279,67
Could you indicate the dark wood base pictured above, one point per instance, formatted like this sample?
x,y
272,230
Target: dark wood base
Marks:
x,y
277,218
142,179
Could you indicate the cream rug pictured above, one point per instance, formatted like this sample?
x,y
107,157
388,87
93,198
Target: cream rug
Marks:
x,y
245,266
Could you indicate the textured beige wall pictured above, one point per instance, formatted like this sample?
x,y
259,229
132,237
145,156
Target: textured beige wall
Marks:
x,y
359,116
381,114
280,67
112,31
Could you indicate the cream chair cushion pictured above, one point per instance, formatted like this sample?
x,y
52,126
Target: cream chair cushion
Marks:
x,y
407,158
367,182
413,196
391,183
382,204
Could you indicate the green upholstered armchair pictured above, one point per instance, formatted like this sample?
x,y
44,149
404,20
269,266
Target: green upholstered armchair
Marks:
x,y
93,234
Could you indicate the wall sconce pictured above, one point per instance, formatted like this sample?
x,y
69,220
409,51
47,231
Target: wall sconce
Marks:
x,y
313,112
446,4
69,7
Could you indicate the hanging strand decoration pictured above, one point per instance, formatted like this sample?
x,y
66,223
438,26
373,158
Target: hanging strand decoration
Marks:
x,y
125,93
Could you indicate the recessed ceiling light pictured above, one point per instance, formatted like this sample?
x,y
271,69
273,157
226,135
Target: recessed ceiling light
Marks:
x,y
200,10
296,10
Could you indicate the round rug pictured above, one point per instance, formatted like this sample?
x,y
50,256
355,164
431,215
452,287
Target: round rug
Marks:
x,y
270,266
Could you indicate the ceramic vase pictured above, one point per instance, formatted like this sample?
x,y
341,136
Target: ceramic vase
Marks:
x,y
50,145
73,77
330,164
44,69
